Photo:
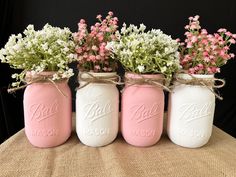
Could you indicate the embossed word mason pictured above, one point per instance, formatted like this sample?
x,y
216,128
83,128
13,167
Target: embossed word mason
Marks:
x,y
192,133
96,110
144,132
191,111
96,131
41,111
142,112
44,132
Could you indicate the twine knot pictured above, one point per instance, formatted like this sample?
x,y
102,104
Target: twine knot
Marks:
x,y
157,82
38,78
89,78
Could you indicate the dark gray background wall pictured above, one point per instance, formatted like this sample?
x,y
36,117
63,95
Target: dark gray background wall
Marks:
x,y
168,15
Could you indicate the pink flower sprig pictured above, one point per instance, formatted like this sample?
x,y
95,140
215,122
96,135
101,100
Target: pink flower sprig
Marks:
x,y
204,53
91,46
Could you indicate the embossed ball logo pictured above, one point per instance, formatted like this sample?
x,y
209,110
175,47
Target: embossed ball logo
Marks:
x,y
96,110
40,111
190,112
142,112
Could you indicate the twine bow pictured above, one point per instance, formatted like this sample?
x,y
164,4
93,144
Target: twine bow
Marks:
x,y
158,82
37,79
98,79
209,83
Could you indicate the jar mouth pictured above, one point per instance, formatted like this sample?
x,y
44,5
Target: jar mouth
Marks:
x,y
102,74
43,73
44,77
191,76
138,76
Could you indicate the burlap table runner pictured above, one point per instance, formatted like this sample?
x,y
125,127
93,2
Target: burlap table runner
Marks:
x,y
165,159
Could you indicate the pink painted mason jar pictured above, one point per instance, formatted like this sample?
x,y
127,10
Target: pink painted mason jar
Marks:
x,y
47,113
142,112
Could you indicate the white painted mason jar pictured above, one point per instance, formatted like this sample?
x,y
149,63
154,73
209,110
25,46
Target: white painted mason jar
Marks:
x,y
190,113
97,109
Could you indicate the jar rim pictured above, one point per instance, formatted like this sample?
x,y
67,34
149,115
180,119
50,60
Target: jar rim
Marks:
x,y
136,75
189,76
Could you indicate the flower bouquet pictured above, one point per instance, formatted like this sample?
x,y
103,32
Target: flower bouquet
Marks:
x,y
91,46
204,53
97,98
141,52
43,56
149,58
50,49
192,101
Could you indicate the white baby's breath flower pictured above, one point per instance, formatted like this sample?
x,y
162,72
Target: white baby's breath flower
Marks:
x,y
50,51
68,73
55,77
142,27
16,47
75,56
109,46
123,29
140,68
64,75
163,69
65,49
11,51
60,42
14,75
45,46
30,27
2,57
71,56
166,49
169,63
15,84
39,69
3,51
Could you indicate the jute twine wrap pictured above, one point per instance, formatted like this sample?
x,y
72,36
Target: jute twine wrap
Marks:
x,y
209,83
38,78
157,82
89,78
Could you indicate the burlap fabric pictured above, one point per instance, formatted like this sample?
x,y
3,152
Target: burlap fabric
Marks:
x,y
165,159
